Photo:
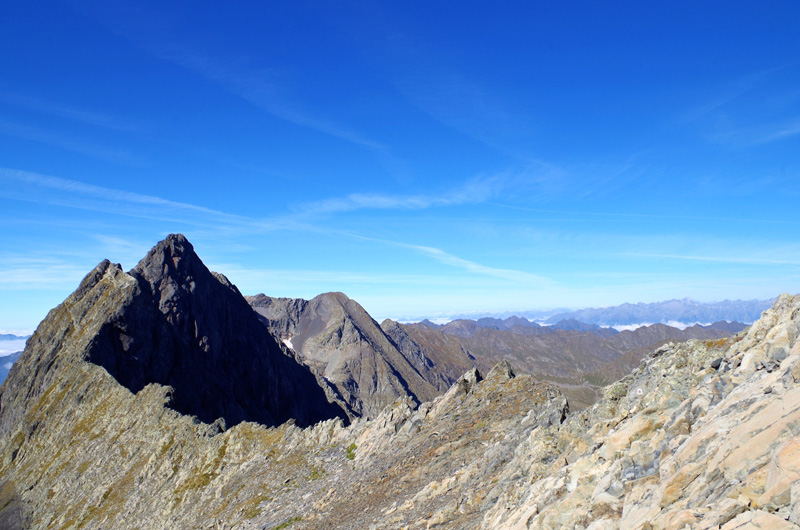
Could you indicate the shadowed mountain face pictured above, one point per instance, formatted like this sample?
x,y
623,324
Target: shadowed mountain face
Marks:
x,y
172,322
339,341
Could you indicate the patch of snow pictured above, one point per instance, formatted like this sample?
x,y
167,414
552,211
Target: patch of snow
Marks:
x,y
288,343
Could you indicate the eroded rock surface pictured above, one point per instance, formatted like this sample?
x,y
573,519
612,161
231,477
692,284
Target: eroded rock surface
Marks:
x,y
342,344
701,434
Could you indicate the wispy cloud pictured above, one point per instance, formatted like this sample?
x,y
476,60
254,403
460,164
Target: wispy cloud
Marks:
x,y
71,113
743,134
521,277
25,273
724,96
741,260
426,75
65,141
28,186
593,216
252,280
473,191
35,187
780,132
465,106
759,108
261,87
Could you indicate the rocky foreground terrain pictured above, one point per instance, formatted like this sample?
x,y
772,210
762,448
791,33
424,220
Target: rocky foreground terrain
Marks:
x,y
702,434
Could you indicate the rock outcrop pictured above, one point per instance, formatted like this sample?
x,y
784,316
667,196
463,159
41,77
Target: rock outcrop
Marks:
x,y
340,342
701,435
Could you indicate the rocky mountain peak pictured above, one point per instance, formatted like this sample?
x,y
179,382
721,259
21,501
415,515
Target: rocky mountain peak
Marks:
x,y
502,370
335,298
172,322
342,344
173,270
173,257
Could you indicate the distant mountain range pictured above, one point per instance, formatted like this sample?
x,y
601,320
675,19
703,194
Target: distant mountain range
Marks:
x,y
8,336
579,358
372,365
685,311
679,313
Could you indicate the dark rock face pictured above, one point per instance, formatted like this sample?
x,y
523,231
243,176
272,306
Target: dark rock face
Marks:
x,y
173,322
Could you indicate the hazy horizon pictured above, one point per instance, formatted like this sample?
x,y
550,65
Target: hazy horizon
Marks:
x,y
539,315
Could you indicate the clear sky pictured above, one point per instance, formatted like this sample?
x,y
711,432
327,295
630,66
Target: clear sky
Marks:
x,y
426,158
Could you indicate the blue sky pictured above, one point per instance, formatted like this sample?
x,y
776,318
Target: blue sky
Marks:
x,y
426,158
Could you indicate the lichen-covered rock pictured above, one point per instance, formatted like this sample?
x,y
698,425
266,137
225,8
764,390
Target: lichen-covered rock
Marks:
x,y
701,435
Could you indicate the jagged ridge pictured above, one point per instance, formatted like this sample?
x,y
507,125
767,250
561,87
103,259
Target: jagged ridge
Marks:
x,y
172,322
